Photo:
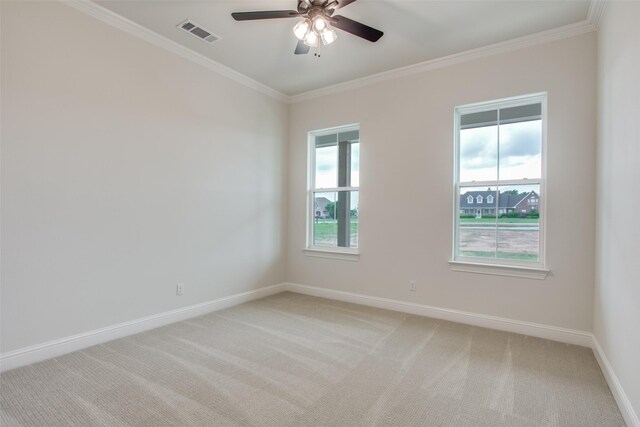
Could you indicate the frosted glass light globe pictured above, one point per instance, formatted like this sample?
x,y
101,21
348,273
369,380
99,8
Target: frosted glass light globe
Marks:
x,y
302,28
311,39
328,36
319,23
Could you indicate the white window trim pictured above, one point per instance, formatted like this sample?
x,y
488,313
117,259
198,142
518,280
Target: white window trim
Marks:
x,y
470,200
346,254
525,269
333,253
489,199
499,270
479,200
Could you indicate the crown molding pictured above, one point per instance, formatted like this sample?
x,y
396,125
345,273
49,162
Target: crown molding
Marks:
x,y
596,11
124,24
547,36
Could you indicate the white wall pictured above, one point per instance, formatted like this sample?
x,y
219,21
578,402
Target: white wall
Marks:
x,y
125,170
406,192
617,291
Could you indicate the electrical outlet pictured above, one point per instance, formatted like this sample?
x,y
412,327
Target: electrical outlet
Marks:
x,y
412,285
180,289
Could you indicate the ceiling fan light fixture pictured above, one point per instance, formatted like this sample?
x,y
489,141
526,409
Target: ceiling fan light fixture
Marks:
x,y
319,23
328,36
316,25
311,39
302,28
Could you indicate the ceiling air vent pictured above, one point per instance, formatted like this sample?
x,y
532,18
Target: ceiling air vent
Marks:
x,y
195,29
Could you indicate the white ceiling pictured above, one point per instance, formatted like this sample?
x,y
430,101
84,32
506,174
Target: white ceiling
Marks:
x,y
415,31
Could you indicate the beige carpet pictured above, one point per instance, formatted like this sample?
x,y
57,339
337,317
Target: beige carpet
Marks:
x,y
294,360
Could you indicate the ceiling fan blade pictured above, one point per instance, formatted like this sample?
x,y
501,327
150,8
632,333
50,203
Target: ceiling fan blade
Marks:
x,y
356,28
343,3
333,5
301,48
267,14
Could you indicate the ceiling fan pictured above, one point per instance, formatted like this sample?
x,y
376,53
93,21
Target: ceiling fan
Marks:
x,y
316,24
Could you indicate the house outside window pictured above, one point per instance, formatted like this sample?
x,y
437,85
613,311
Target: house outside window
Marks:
x,y
499,163
333,195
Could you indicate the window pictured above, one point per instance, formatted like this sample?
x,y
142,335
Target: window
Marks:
x,y
334,179
499,153
470,200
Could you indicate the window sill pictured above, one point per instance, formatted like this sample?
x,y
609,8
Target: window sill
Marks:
x,y
344,255
500,270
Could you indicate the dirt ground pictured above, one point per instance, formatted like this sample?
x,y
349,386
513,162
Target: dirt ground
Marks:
x,y
509,239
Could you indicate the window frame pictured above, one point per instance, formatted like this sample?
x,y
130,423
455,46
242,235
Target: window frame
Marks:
x,y
528,269
344,253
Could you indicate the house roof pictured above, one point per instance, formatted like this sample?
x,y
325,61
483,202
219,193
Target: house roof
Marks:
x,y
321,202
505,199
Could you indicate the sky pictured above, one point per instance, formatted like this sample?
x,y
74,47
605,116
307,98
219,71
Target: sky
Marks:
x,y
519,155
327,170
519,152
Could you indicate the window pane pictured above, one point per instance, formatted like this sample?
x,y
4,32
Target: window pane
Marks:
x,y
349,135
326,166
480,119
499,221
336,159
518,233
477,230
346,214
336,217
479,154
354,216
520,147
325,224
521,113
355,164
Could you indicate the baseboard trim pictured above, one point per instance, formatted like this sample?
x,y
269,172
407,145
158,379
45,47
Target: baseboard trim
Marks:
x,y
624,404
37,353
569,336
27,355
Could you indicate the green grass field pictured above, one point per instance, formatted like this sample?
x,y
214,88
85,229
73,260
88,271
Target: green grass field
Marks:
x,y
500,220
326,232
